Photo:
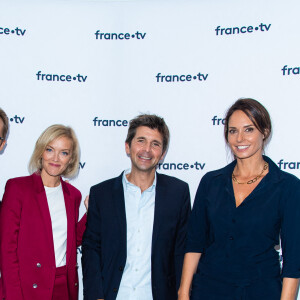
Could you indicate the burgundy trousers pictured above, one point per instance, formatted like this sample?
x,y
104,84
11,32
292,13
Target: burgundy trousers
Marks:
x,y
60,291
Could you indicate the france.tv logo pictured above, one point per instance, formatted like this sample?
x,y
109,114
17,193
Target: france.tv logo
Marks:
x,y
119,36
61,77
109,123
180,166
289,71
16,31
288,165
181,77
17,119
243,29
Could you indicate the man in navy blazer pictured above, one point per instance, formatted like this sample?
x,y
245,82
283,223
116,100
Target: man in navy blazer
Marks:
x,y
133,245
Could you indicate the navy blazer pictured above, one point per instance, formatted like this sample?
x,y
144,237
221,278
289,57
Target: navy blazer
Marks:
x,y
104,242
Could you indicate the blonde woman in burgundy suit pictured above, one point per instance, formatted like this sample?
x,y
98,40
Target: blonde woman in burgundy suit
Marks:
x,y
39,223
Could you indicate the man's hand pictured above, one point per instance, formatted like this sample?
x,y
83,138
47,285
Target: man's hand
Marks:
x,y
86,204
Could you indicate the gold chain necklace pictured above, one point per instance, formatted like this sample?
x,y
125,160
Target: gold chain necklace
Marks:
x,y
266,166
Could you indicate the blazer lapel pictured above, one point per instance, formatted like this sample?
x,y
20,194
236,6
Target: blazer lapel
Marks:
x,y
70,211
119,204
45,213
160,195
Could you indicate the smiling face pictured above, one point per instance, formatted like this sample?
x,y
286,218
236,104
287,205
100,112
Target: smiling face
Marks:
x,y
244,139
146,149
56,158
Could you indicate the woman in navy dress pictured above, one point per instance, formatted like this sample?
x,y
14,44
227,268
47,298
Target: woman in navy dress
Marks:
x,y
239,215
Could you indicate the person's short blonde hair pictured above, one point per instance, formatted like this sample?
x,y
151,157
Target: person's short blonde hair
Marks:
x,y
50,134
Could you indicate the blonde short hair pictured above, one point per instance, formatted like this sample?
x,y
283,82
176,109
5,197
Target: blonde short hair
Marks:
x,y
50,134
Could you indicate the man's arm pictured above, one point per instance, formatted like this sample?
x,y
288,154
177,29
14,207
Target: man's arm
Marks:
x,y
181,234
91,253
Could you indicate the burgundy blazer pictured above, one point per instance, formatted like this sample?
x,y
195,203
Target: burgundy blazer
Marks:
x,y
26,242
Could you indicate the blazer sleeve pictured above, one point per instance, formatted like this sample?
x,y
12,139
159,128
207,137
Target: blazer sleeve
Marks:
x,y
9,231
181,234
91,253
198,227
290,230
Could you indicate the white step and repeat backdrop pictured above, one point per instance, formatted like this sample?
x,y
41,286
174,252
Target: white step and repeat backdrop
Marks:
x,y
94,65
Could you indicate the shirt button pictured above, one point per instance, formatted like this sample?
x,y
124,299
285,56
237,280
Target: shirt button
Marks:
x,y
38,265
76,284
34,285
136,270
231,238
115,290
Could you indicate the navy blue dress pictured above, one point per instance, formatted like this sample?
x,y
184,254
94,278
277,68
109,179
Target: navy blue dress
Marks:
x,y
238,260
